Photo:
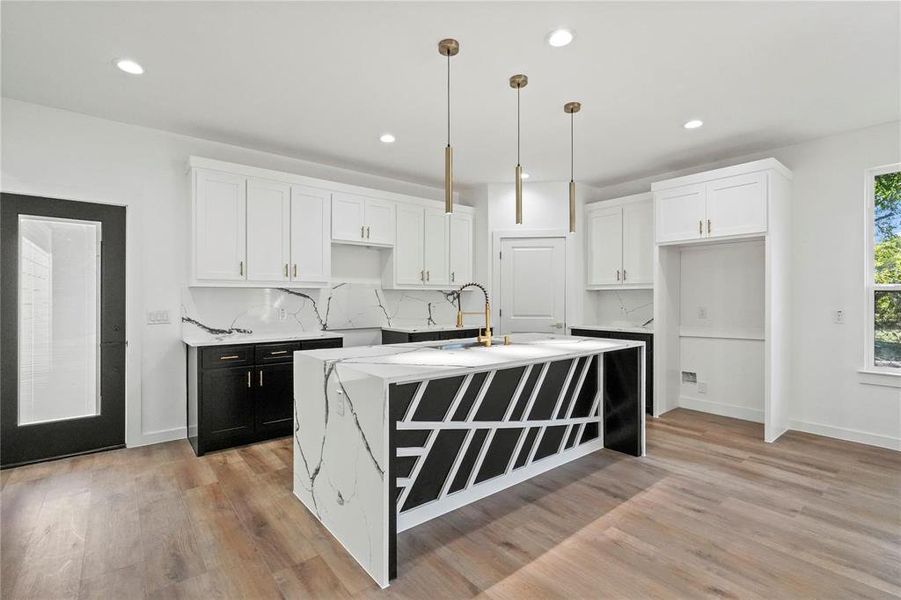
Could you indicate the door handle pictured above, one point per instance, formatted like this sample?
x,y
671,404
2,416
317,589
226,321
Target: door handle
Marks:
x,y
241,268
229,357
557,325
248,379
261,377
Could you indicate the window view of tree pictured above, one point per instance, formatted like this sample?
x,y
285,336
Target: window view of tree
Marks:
x,y
887,263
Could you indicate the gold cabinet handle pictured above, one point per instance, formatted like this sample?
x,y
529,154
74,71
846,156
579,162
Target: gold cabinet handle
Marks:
x,y
295,270
367,232
230,357
624,274
708,226
453,276
362,231
700,227
286,270
261,378
428,275
617,274
422,276
248,378
241,268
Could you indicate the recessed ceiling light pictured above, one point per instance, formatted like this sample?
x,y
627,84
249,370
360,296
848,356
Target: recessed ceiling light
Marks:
x,y
693,124
525,175
129,66
386,138
560,37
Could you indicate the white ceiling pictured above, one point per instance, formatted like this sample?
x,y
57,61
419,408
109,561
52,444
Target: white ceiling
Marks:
x,y
322,81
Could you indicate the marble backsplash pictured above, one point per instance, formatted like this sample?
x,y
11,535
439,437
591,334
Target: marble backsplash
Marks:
x,y
629,308
222,312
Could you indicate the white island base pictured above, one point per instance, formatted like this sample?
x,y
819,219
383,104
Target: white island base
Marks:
x,y
388,437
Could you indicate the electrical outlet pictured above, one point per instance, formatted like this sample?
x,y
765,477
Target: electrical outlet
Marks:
x,y
158,317
282,314
838,317
702,387
702,312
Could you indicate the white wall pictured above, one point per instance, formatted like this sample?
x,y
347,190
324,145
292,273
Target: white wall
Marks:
x,y
829,396
49,152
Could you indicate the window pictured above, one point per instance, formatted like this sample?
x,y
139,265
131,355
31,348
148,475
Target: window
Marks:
x,y
883,343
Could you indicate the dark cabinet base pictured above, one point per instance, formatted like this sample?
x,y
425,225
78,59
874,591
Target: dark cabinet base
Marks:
x,y
648,339
242,393
401,337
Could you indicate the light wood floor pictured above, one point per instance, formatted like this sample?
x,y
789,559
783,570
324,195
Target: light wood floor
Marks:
x,y
712,511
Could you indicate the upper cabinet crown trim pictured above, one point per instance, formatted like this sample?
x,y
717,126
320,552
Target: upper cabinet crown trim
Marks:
x,y
766,164
633,199
198,162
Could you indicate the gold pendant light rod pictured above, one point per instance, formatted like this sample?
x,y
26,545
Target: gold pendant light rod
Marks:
x,y
448,47
571,108
518,82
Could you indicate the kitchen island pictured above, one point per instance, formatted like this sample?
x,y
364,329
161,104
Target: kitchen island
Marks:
x,y
388,437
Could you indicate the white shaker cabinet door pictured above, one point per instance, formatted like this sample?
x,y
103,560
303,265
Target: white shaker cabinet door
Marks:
x,y
268,230
460,248
408,250
606,246
680,213
310,244
347,218
219,226
379,221
638,244
436,246
737,205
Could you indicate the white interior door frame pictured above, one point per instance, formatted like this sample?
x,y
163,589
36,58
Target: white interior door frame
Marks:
x,y
497,239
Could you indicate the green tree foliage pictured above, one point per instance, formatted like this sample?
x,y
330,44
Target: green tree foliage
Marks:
x,y
887,263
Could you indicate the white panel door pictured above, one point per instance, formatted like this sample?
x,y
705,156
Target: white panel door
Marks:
x,y
268,230
460,248
220,226
680,213
347,218
606,246
533,282
408,250
379,221
310,244
638,243
435,259
737,205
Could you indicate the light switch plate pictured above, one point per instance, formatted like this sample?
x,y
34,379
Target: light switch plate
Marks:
x,y
158,317
838,317
702,387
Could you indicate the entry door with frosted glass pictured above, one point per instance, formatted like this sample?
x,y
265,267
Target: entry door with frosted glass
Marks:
x,y
62,312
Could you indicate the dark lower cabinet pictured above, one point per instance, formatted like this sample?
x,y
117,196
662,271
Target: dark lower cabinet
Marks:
x,y
242,393
648,339
402,337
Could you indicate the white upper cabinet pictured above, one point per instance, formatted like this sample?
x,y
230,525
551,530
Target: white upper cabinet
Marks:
x,y
620,243
220,202
347,218
268,230
460,248
606,245
736,205
725,203
408,249
680,213
638,243
311,248
362,220
380,222
436,247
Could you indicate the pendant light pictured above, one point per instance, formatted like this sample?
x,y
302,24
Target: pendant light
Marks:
x,y
571,108
518,82
449,47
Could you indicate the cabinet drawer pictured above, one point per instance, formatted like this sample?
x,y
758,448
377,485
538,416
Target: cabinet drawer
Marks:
x,y
226,356
270,353
318,344
456,334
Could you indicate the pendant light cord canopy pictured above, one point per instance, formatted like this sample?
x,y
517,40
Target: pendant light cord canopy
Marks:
x,y
571,108
448,47
518,82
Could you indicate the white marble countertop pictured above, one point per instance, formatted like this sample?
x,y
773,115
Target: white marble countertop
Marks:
x,y
198,340
427,360
422,328
623,328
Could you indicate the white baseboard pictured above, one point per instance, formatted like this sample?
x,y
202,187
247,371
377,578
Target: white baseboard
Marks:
x,y
160,436
849,435
723,410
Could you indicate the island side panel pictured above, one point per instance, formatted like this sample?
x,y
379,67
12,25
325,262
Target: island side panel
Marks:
x,y
623,401
341,457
